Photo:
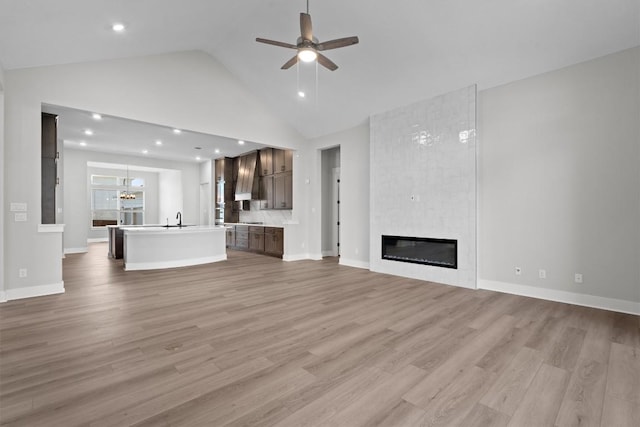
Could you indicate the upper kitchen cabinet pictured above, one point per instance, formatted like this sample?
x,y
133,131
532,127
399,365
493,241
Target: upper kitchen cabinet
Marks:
x,y
283,191
282,160
275,169
49,170
266,162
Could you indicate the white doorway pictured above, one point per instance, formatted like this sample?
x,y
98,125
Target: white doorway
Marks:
x,y
330,166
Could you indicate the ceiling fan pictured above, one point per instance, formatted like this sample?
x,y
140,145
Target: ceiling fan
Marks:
x,y
309,47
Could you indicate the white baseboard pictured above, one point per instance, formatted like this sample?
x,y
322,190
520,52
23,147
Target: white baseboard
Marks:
x,y
98,240
3,296
32,291
295,257
76,250
131,266
354,263
612,304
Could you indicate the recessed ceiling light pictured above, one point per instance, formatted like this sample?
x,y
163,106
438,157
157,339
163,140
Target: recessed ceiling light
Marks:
x,y
301,94
88,132
145,151
177,131
118,27
241,142
83,144
158,142
217,151
96,116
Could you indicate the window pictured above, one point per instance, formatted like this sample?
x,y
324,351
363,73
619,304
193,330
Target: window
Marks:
x,y
107,206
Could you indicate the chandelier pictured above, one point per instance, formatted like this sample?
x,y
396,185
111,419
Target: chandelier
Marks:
x,y
127,195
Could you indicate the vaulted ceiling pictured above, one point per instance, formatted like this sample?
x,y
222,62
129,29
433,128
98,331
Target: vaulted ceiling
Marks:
x,y
409,50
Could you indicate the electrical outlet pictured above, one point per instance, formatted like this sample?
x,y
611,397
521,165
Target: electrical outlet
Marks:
x,y
578,278
22,273
542,274
518,271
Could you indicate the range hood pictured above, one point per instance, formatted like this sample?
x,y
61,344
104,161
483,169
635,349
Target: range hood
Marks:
x,y
246,176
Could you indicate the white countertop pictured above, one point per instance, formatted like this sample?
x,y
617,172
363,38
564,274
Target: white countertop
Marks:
x,y
172,229
255,225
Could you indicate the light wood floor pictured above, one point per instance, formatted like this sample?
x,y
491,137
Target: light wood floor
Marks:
x,y
258,341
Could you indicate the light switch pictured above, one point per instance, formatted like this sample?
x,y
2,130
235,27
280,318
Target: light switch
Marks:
x,y
20,217
18,207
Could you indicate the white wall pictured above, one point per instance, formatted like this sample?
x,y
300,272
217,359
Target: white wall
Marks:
x,y
179,194
560,183
354,194
2,239
188,90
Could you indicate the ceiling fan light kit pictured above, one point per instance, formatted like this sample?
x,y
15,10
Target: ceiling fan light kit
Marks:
x,y
309,47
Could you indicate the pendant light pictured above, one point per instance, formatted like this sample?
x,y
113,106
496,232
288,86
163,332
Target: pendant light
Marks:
x,y
127,195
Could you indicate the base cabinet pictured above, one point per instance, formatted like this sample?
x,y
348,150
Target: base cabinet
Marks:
x,y
256,239
242,237
261,240
274,241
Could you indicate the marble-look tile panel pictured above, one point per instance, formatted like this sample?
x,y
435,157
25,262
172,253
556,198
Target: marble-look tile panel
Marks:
x,y
423,182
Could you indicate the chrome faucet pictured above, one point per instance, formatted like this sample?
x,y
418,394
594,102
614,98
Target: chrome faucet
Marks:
x,y
179,218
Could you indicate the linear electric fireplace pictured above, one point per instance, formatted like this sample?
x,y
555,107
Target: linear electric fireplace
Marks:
x,y
421,250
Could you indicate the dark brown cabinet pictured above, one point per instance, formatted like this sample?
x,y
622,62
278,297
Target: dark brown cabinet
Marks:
x,y
266,161
116,242
49,170
231,236
242,237
274,241
276,183
258,239
266,192
282,161
282,186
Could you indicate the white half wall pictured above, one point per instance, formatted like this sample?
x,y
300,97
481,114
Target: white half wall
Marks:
x,y
559,180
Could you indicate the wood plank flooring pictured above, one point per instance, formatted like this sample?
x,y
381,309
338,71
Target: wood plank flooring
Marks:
x,y
254,341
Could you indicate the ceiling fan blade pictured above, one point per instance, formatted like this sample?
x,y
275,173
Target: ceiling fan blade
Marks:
x,y
305,26
275,43
290,63
334,44
326,62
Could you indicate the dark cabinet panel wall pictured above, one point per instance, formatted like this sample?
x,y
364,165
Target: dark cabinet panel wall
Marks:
x,y
49,172
224,193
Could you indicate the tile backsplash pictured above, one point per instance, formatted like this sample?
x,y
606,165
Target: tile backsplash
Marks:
x,y
269,217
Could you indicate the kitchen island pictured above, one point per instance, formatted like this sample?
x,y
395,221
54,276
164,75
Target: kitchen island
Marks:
x,y
148,248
